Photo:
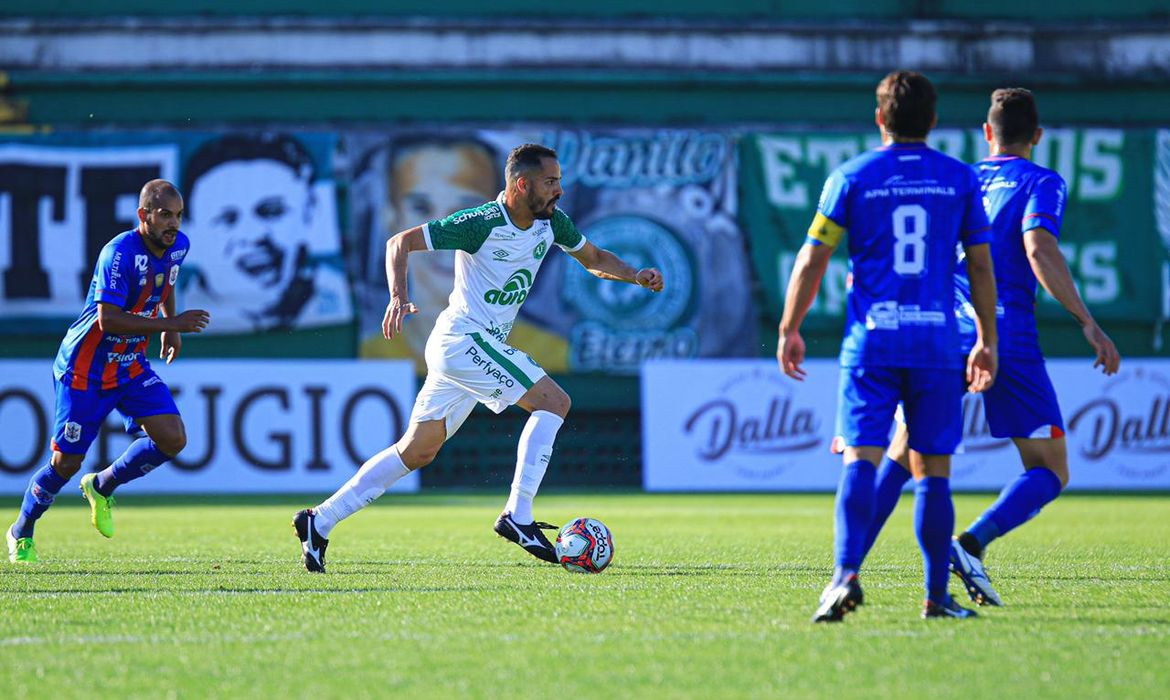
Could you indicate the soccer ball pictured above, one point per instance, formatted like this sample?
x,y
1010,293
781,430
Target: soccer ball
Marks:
x,y
585,546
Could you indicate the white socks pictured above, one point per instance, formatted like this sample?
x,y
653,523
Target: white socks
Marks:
x,y
532,456
376,475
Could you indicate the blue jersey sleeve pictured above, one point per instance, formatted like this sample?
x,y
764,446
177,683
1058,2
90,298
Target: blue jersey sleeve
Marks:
x,y
832,219
112,274
976,227
1045,208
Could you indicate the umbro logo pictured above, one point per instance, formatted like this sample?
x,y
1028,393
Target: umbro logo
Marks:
x,y
500,254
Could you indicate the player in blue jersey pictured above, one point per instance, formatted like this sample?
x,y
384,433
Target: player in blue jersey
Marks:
x,y
905,208
102,366
1025,203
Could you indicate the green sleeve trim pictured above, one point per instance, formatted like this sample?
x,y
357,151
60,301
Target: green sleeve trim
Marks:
x,y
465,230
565,234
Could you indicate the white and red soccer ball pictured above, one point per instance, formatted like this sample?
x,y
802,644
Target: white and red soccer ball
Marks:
x,y
585,546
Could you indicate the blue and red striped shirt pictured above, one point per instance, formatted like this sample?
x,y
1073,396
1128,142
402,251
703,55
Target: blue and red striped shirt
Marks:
x,y
130,277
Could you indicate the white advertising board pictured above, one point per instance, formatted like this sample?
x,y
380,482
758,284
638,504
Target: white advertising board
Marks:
x,y
741,425
253,426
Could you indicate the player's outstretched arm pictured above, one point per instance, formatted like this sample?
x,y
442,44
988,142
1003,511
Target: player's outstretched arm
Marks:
x,y
398,249
983,362
1051,269
604,264
807,272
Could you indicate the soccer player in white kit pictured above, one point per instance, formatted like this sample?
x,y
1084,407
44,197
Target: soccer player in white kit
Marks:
x,y
501,246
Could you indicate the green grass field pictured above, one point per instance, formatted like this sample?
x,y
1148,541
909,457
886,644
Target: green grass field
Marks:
x,y
709,596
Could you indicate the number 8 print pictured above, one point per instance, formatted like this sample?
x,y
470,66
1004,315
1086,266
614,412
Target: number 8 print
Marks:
x,y
910,236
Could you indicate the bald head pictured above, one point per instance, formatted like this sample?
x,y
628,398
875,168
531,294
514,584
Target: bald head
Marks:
x,y
157,192
160,211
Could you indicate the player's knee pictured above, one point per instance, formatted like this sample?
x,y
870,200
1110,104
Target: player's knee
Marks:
x,y
66,465
1061,472
417,456
172,443
564,403
556,401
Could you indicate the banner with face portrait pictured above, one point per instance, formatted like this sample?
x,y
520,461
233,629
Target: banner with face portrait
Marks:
x,y
260,211
656,198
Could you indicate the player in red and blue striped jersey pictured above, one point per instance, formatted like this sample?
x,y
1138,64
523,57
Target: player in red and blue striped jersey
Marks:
x,y
905,207
101,366
1025,203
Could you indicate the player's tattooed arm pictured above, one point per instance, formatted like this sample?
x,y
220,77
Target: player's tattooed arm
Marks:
x,y
116,320
807,272
983,361
398,250
1051,269
604,264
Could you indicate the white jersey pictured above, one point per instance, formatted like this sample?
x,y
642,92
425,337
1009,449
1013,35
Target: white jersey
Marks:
x,y
495,265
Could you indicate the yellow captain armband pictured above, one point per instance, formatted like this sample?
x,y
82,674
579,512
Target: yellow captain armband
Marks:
x,y
825,230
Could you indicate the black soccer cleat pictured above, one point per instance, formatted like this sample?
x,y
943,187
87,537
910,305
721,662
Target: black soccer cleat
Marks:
x,y
312,544
528,536
838,600
949,609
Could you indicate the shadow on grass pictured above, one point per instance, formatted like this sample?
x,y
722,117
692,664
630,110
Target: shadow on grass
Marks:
x,y
197,591
713,569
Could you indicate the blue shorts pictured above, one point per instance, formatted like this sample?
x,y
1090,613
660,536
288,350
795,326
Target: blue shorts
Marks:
x,y
932,400
80,414
1022,402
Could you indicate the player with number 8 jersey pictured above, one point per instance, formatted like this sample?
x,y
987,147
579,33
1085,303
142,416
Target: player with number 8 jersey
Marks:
x,y
905,207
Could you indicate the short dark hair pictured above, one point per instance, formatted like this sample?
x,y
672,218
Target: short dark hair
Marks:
x,y
1013,116
526,158
154,192
906,102
244,147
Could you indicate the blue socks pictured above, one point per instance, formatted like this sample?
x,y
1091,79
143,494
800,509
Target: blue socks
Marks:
x,y
890,480
43,486
934,521
1018,503
137,461
854,512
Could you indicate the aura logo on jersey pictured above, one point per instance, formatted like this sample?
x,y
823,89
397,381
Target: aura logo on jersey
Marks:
x,y
754,420
1130,419
514,291
624,325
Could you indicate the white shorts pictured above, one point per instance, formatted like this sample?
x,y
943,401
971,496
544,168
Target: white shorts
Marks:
x,y
465,369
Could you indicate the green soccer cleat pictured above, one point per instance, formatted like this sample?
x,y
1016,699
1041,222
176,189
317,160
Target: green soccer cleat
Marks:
x,y
100,506
22,550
